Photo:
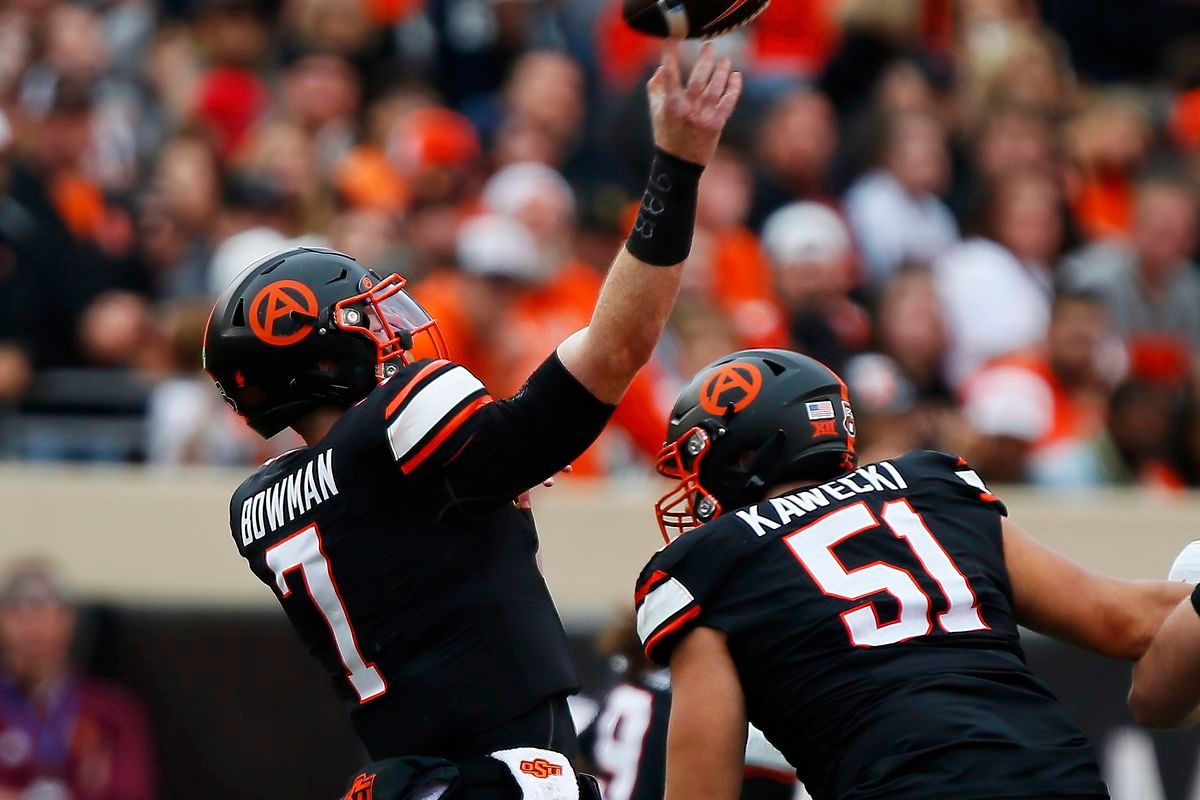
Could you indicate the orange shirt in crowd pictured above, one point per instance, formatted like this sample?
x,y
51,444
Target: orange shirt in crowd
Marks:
x,y
743,287
538,320
1076,416
796,37
80,204
1103,206
365,179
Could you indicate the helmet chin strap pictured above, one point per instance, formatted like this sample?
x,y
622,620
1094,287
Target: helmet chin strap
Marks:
x,y
390,367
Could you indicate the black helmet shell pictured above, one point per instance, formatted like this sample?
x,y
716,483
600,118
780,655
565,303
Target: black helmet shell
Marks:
x,y
771,416
272,345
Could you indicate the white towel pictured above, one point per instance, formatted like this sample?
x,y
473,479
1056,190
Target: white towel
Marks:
x,y
541,774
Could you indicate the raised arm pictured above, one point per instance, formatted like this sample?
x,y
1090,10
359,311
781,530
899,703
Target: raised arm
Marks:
x,y
640,290
492,452
1054,595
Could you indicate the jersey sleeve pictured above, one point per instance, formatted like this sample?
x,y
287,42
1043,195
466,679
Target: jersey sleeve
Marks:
x,y
943,472
446,434
426,412
678,590
512,445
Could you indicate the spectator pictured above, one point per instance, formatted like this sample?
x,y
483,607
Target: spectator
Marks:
x,y
1151,285
66,223
1108,143
546,94
497,262
995,288
1033,69
1133,449
910,330
894,209
1187,445
699,334
727,265
178,218
1070,370
814,262
285,155
149,152
65,734
562,300
256,216
321,94
889,421
796,142
229,98
1007,140
186,421
365,177
1008,411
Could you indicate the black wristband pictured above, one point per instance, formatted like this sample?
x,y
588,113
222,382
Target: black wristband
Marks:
x,y
662,234
1196,599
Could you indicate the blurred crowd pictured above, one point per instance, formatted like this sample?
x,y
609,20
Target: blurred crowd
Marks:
x,y
982,212
64,735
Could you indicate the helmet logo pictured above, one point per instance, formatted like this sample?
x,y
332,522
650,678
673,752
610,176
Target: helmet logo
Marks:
x,y
825,427
848,419
271,310
730,386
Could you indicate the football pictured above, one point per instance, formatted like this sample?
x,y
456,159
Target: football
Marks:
x,y
691,19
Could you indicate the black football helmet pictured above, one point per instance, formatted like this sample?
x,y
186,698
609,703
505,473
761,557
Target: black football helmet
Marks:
x,y
745,423
309,327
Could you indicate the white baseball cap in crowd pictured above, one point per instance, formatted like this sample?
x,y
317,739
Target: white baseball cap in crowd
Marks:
x,y
806,232
496,246
1009,401
515,187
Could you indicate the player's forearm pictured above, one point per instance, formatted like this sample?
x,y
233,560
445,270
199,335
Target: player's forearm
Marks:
x,y
630,316
1138,612
642,284
1157,703
1054,595
640,291
1166,680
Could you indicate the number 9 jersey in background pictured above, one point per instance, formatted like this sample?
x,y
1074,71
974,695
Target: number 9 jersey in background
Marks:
x,y
870,620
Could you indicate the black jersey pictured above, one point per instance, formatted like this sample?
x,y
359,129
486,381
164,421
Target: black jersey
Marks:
x,y
397,551
626,746
870,620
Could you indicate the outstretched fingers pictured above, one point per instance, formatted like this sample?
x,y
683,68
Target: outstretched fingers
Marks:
x,y
729,100
717,83
671,72
702,72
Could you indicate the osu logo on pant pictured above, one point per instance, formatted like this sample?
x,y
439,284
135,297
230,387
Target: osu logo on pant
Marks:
x,y
541,768
363,788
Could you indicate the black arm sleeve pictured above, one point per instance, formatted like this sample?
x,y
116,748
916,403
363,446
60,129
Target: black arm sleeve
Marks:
x,y
515,444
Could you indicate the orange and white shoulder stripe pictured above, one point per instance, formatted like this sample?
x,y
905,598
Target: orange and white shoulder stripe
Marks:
x,y
432,406
664,605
